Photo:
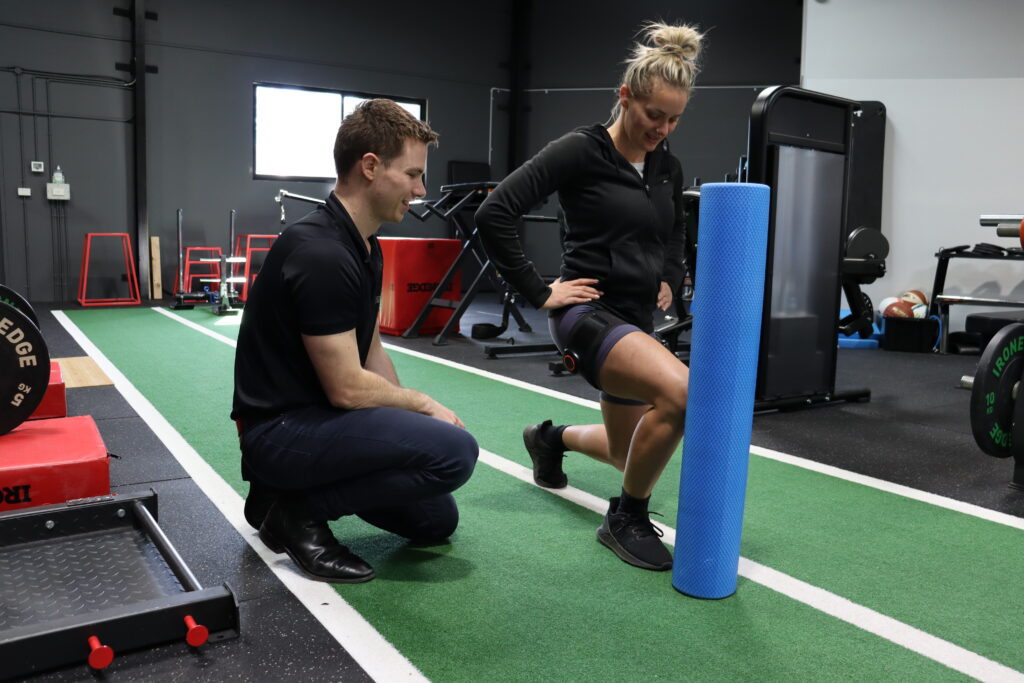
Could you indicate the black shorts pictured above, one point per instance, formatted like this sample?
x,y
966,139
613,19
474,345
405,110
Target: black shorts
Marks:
x,y
563,321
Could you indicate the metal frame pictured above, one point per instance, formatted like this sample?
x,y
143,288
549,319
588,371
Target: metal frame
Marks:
x,y
61,642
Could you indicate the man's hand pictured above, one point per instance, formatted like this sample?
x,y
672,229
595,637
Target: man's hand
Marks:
x,y
435,409
664,296
577,291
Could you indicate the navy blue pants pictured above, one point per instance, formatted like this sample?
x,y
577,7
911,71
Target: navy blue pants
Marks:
x,y
393,468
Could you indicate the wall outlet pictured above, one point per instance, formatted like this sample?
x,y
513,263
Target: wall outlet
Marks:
x,y
37,166
58,191
24,191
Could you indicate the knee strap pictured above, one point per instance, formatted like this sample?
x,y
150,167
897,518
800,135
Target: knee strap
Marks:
x,y
584,342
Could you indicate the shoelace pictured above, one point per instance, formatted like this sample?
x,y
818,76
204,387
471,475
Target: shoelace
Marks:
x,y
645,527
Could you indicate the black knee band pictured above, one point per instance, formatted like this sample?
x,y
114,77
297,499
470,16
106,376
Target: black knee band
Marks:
x,y
584,342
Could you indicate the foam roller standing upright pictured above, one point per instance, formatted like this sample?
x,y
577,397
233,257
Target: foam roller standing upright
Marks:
x,y
727,303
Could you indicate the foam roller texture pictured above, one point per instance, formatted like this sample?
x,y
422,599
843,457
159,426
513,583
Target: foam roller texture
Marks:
x,y
727,304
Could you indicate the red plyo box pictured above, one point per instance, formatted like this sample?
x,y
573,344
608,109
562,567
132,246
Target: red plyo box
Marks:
x,y
54,403
52,461
413,267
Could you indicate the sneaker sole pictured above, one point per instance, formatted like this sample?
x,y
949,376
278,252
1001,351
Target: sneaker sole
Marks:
x,y
529,439
606,539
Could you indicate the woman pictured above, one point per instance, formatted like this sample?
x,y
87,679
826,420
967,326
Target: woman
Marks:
x,y
621,192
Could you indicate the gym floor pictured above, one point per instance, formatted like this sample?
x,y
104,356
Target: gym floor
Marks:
x,y
914,432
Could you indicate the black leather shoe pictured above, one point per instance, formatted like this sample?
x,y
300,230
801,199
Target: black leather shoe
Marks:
x,y
288,528
261,497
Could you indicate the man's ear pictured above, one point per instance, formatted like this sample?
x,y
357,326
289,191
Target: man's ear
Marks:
x,y
368,165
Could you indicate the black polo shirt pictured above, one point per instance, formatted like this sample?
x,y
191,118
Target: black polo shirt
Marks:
x,y
318,278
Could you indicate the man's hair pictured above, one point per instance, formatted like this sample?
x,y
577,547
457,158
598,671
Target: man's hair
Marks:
x,y
379,127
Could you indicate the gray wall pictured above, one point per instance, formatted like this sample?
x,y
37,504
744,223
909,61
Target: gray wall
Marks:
x,y
199,109
576,56
199,113
951,75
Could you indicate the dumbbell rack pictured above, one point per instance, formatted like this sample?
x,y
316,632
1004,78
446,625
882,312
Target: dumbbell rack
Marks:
x,y
86,579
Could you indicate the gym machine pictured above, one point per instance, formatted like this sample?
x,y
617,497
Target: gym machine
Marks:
x,y
225,299
1007,225
455,200
823,237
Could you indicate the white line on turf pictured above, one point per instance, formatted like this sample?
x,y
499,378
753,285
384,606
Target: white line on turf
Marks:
x,y
909,637
828,470
196,326
904,635
366,645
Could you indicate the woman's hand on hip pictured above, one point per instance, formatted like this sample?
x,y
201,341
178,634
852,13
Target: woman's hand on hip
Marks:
x,y
570,292
664,296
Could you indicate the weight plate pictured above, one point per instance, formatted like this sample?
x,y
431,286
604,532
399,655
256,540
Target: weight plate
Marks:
x,y
24,367
9,296
1000,368
867,243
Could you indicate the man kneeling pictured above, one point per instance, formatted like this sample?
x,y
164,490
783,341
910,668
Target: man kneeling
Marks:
x,y
326,428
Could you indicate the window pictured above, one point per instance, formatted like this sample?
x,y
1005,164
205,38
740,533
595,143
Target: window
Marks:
x,y
294,129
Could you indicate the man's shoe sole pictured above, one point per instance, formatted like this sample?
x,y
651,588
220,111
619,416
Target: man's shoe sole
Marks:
x,y
607,540
277,547
530,440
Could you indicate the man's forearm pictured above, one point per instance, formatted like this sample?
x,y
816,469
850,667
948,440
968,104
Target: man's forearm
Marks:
x,y
379,362
372,390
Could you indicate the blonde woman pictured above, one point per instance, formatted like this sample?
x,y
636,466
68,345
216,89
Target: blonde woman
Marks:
x,y
621,192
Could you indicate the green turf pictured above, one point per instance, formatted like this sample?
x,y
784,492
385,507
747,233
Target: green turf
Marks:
x,y
526,593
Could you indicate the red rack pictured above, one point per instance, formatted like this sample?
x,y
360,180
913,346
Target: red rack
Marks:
x,y
133,297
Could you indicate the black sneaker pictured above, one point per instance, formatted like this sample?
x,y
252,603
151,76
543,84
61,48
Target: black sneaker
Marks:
x,y
634,539
547,461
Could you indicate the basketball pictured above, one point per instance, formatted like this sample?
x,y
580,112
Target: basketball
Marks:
x,y
885,303
914,297
899,309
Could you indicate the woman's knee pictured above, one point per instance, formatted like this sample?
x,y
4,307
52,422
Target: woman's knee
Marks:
x,y
672,397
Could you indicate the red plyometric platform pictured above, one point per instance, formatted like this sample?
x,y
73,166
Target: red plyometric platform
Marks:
x,y
413,267
54,403
52,461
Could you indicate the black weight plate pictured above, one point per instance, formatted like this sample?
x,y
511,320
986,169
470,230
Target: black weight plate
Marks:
x,y
24,367
999,369
9,296
867,243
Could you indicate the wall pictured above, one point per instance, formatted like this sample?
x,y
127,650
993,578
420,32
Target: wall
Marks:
x,y
576,57
950,75
199,111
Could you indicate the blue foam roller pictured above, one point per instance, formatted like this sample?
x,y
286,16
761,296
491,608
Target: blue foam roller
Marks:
x,y
727,301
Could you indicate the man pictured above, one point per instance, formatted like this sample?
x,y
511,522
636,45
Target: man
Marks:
x,y
326,428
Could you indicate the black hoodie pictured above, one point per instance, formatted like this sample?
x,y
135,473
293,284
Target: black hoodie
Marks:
x,y
625,231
